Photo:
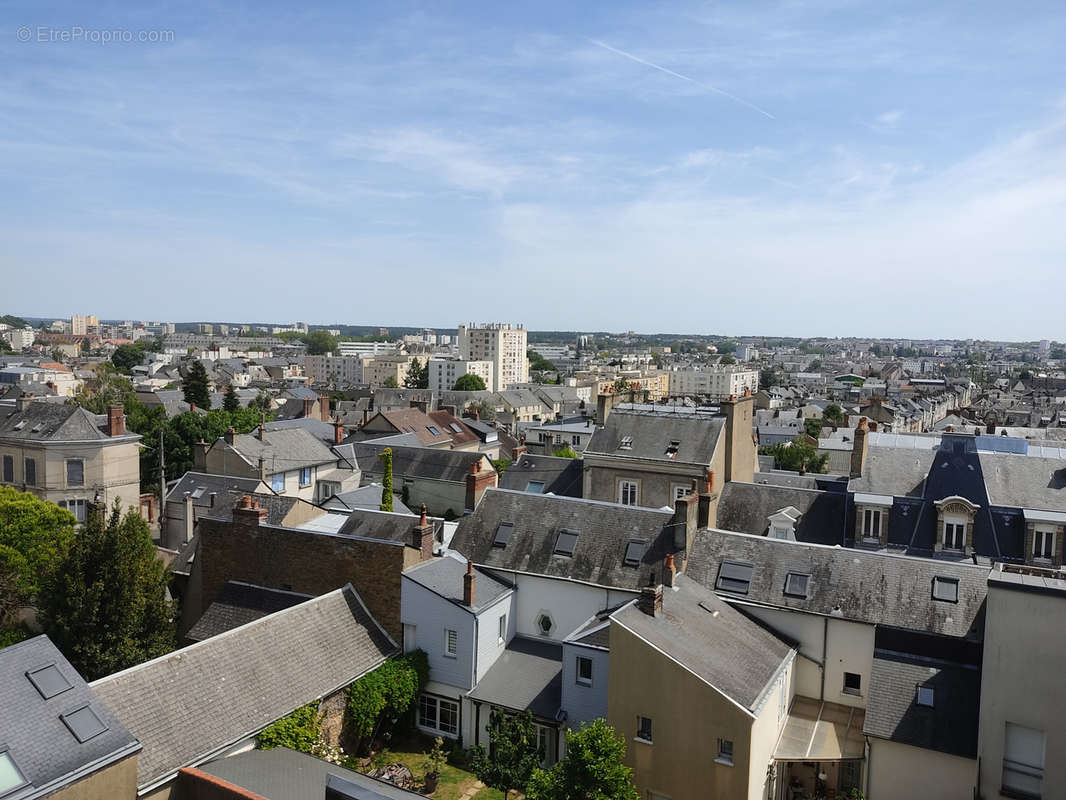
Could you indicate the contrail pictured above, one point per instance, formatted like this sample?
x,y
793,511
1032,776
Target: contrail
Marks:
x,y
708,86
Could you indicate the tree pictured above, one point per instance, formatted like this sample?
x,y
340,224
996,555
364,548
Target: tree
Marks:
x,y
812,427
483,408
796,455
593,768
127,356
621,385
386,478
726,360
231,402
833,414
320,343
106,606
35,536
261,402
515,752
539,363
768,377
417,375
391,382
469,383
566,451
195,386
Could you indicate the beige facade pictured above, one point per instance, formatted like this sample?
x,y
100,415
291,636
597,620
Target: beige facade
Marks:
x,y
902,772
118,780
502,344
380,369
717,382
444,372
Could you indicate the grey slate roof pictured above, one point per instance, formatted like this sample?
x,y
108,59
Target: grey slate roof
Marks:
x,y
283,774
444,577
257,674
604,530
420,462
727,650
594,633
746,507
876,588
527,675
365,497
892,471
52,422
562,476
392,526
238,604
1024,481
277,506
38,741
652,433
323,431
950,726
282,450
227,488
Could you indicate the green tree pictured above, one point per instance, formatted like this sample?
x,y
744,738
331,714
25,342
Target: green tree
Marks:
x,y
261,402
833,414
127,356
727,359
231,402
386,478
566,451
516,752
769,377
795,456
106,387
469,383
106,605
320,343
539,363
813,427
195,386
391,382
35,536
621,385
417,375
593,768
483,408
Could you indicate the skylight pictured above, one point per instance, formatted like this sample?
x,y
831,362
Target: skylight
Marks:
x,y
83,723
564,544
48,680
198,492
796,584
455,427
20,424
634,553
734,576
925,696
946,589
433,430
10,776
626,443
503,534
672,448
535,487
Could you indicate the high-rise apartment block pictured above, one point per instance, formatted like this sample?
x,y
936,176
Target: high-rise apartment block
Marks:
x,y
79,325
502,344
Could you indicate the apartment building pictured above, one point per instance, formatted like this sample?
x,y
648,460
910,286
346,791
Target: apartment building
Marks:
x,y
715,382
444,372
391,369
502,344
80,325
338,370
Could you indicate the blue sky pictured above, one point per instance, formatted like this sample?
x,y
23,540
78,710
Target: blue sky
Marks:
x,y
793,168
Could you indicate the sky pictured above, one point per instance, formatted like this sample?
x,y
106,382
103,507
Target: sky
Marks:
x,y
804,168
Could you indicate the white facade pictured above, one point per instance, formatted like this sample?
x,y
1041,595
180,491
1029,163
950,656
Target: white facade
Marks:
x,y
444,372
365,348
334,369
714,381
500,343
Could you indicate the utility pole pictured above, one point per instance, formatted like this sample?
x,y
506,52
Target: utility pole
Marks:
x,y
162,487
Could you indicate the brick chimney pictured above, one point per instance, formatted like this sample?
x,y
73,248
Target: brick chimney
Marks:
x,y
685,520
308,406
422,538
858,451
229,435
519,450
651,598
468,585
248,513
323,407
116,421
740,455
477,482
338,431
669,571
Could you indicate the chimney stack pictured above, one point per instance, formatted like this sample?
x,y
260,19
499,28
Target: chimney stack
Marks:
x,y
338,431
262,469
248,513
116,421
323,407
199,456
230,434
669,571
477,481
740,457
651,598
422,538
308,405
468,585
858,451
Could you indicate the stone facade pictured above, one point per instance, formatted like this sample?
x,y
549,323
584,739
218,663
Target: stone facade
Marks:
x,y
1056,553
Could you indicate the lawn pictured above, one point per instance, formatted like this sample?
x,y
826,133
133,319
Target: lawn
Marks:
x,y
454,782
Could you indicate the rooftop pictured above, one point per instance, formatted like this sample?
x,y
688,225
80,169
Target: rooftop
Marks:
x,y
527,675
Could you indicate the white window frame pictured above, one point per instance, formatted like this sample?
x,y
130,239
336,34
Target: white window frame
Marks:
x,y
680,490
959,527
577,670
872,520
1042,533
304,483
1023,768
274,482
451,643
78,507
424,701
631,487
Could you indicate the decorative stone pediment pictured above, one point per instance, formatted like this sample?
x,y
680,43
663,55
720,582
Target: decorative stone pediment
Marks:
x,y
956,505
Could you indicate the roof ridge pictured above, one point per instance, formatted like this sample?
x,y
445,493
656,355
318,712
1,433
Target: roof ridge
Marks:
x,y
586,500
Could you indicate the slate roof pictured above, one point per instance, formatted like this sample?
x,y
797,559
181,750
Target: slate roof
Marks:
x,y
277,507
38,741
323,431
561,476
892,471
417,462
238,604
417,422
1024,481
595,632
652,434
365,497
256,673
52,422
227,489
528,674
604,530
875,588
390,526
282,450
950,726
726,650
444,421
746,507
444,577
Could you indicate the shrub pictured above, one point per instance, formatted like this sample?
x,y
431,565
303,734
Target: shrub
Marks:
x,y
298,731
387,691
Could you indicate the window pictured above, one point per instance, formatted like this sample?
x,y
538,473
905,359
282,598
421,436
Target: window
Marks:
x,y
9,469
502,636
451,642
1043,544
924,696
544,624
796,584
75,507
681,491
433,430
535,487
852,683
438,714
725,752
871,524
672,448
503,534
628,493
734,576
1023,761
305,476
584,671
10,775
575,438
83,723
75,472
30,470
626,443
565,543
277,482
634,553
954,535
49,681
946,589
644,729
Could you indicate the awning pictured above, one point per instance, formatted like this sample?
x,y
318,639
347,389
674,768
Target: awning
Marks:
x,y
817,731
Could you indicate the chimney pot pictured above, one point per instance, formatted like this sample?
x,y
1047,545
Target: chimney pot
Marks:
x,y
423,520
669,571
338,431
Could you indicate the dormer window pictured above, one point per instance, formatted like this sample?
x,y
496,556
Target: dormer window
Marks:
x,y
955,519
1043,544
634,553
954,534
672,448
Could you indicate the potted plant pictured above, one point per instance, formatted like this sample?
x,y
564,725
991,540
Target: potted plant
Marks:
x,y
434,763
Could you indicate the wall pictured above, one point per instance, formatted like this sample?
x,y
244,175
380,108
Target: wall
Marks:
x,y
431,614
767,730
688,718
584,703
602,476
901,772
489,647
116,781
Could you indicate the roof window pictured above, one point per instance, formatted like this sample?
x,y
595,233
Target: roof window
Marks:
x,y
796,584
734,576
634,553
48,680
83,723
503,534
565,542
626,443
198,492
433,430
672,448
946,589
10,775
535,487
924,696
455,427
